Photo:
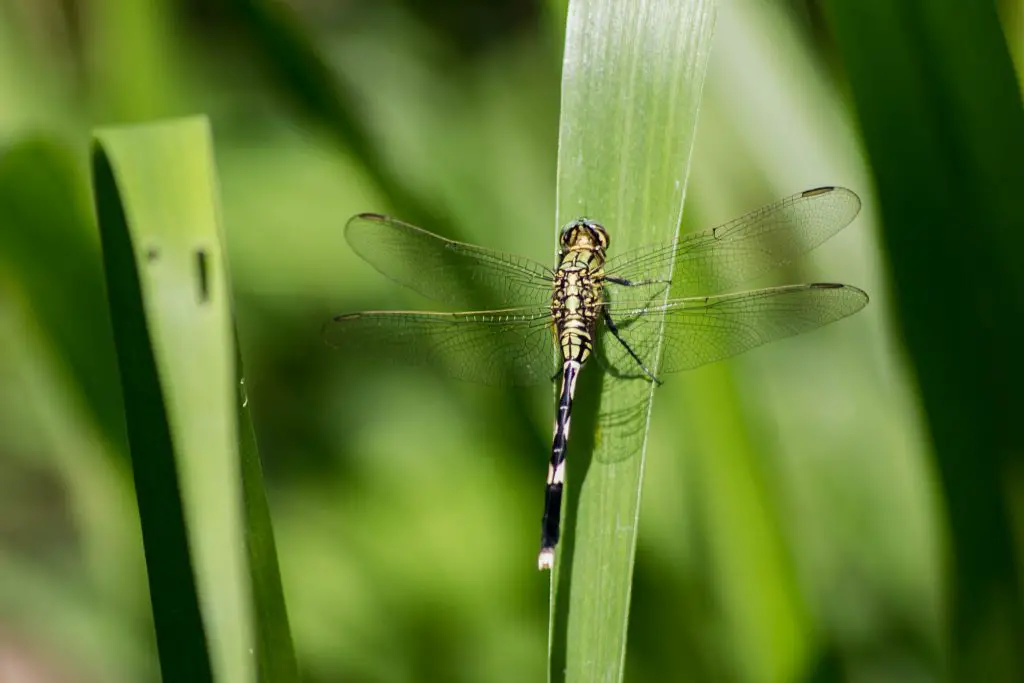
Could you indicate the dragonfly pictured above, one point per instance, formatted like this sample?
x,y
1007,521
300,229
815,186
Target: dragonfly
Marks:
x,y
620,310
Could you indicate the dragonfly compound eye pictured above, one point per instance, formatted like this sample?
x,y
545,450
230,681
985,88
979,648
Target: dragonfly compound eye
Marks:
x,y
600,234
569,234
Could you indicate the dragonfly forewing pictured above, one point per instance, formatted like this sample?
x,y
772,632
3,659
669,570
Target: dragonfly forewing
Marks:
x,y
445,270
719,259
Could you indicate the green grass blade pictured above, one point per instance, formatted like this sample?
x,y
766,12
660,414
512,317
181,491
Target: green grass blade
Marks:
x,y
167,280
631,86
275,656
942,121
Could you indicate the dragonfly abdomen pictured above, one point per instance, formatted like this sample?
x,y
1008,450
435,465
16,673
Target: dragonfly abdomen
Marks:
x,y
575,340
556,467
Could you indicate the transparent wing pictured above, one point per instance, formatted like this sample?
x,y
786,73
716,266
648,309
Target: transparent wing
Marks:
x,y
703,330
442,269
502,347
721,258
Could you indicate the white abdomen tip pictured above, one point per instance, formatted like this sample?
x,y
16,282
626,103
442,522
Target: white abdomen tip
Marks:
x,y
546,559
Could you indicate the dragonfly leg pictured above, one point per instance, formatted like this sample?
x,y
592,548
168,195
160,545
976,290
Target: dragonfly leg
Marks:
x,y
610,324
629,283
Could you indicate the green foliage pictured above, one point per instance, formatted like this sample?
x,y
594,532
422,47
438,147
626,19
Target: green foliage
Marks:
x,y
791,525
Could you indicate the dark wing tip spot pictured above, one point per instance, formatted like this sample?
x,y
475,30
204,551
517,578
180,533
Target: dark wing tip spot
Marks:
x,y
334,336
818,190
366,217
849,288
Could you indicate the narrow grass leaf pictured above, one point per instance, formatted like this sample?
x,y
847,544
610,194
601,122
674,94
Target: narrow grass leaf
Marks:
x,y
167,280
631,85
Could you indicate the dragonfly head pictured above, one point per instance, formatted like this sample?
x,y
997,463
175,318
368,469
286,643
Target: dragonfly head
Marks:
x,y
584,233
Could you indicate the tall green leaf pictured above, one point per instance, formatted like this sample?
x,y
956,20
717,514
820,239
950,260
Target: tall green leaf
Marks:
x,y
207,537
942,120
631,85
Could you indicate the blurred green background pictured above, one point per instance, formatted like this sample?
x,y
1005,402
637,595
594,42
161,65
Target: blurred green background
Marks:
x,y
794,525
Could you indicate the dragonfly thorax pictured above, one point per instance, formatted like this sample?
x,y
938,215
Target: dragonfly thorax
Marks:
x,y
583,234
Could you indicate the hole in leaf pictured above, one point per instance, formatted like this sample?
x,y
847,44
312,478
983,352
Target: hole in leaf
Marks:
x,y
203,274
